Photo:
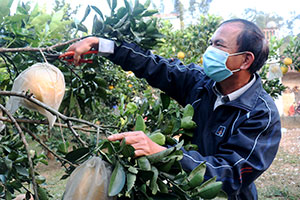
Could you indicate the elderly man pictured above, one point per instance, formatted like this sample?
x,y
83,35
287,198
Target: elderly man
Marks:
x,y
238,125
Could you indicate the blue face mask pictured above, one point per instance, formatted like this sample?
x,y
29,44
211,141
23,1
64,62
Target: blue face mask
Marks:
x,y
214,62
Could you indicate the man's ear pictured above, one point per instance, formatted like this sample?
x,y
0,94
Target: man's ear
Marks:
x,y
249,59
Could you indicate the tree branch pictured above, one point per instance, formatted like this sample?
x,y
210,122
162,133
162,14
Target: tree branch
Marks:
x,y
34,121
38,48
31,98
51,110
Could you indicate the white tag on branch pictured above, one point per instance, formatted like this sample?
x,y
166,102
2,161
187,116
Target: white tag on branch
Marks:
x,y
46,82
274,72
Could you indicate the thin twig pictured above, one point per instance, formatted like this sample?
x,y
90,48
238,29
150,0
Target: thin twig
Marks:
x,y
34,121
46,147
26,148
75,133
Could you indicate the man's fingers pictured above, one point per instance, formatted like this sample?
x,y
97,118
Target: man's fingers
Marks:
x,y
71,48
115,137
76,58
138,153
132,140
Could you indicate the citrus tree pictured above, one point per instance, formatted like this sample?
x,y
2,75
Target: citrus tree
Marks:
x,y
103,95
190,43
291,54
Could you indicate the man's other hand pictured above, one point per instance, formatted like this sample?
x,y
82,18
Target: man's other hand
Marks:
x,y
142,144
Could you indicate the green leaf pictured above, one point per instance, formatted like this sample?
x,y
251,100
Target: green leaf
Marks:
x,y
8,163
121,21
140,124
144,163
165,99
147,4
163,188
131,178
63,147
149,13
177,155
5,8
153,183
158,157
128,6
133,170
176,124
114,5
40,20
196,177
154,158
117,180
188,111
158,138
98,11
87,12
222,195
97,25
188,123
210,191
138,9
109,3
209,181
131,107
167,166
22,171
6,148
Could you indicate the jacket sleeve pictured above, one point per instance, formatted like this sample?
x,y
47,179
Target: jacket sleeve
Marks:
x,y
247,153
169,75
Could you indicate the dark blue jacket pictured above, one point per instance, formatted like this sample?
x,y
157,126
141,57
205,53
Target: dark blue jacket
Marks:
x,y
238,140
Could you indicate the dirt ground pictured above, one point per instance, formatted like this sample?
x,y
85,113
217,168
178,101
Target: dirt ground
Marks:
x,y
290,141
282,179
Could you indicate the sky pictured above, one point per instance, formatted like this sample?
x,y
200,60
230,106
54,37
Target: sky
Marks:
x,y
223,8
284,8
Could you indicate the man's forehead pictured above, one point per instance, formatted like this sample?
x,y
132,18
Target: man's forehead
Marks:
x,y
228,33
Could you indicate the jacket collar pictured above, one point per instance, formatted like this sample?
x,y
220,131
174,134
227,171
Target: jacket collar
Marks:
x,y
247,100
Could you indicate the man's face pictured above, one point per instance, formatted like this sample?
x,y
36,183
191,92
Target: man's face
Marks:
x,y
225,39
